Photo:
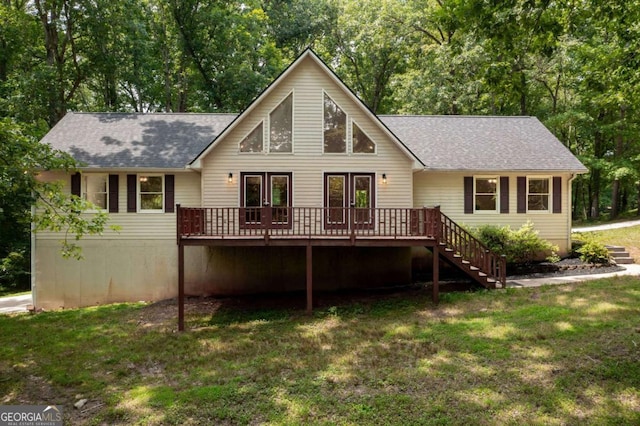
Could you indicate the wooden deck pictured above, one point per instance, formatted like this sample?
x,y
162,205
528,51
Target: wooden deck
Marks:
x,y
327,227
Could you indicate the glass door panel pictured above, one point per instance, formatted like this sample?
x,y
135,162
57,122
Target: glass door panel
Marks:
x,y
362,198
280,200
253,199
336,201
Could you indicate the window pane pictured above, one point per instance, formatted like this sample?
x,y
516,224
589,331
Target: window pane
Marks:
x,y
485,202
279,191
335,127
336,198
538,186
362,191
253,141
253,191
281,126
100,200
361,142
151,201
151,184
95,189
538,202
486,186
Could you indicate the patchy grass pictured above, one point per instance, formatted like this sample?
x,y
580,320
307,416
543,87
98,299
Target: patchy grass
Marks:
x,y
551,355
627,237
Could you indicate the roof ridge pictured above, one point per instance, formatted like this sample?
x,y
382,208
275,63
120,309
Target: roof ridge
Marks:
x,y
453,116
148,113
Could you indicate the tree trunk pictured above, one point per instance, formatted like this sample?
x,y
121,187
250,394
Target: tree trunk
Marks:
x,y
618,153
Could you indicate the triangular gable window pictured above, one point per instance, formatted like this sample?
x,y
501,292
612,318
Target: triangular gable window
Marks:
x,y
253,141
281,126
335,127
362,144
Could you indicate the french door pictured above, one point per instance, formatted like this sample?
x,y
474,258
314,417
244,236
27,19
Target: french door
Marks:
x,y
349,200
265,200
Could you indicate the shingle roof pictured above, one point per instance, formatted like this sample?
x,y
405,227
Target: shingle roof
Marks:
x,y
482,143
121,140
118,140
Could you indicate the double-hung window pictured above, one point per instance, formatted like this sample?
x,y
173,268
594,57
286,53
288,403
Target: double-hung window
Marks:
x,y
151,193
95,189
486,194
538,194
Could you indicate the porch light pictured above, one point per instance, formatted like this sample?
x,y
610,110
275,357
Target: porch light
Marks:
x,y
384,178
230,178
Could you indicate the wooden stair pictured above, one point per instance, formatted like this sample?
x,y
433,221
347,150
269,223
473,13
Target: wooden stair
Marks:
x,y
468,254
620,255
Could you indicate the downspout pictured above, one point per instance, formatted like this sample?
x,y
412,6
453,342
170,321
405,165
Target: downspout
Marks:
x,y
569,210
33,256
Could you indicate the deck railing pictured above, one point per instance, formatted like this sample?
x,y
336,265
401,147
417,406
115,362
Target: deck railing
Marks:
x,y
319,222
233,222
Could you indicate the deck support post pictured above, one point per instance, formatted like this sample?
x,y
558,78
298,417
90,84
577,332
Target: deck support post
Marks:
x,y
180,286
436,274
309,278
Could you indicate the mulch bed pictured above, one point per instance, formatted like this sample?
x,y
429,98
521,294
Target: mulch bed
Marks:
x,y
572,266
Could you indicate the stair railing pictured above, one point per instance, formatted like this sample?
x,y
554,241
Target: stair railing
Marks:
x,y
458,239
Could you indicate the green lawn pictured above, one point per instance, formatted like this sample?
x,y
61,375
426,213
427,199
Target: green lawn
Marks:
x,y
553,355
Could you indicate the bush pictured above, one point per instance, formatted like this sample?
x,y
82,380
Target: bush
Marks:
x,y
520,246
594,252
14,272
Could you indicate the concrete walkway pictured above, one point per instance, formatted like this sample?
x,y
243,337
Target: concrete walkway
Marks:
x,y
12,304
537,282
604,227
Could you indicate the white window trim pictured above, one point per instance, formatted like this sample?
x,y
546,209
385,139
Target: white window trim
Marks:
x,y
293,125
497,209
260,123
346,124
375,144
549,195
139,194
83,190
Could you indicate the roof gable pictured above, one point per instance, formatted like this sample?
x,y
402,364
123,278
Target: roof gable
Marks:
x,y
308,54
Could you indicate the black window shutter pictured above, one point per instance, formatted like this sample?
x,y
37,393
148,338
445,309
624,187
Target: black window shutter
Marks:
x,y
169,193
504,194
522,194
113,193
132,187
75,184
468,194
557,194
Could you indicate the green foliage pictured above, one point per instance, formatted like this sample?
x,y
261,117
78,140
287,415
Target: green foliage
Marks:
x,y
523,245
593,251
22,158
14,271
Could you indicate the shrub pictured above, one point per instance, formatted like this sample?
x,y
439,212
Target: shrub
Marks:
x,y
594,252
521,246
14,271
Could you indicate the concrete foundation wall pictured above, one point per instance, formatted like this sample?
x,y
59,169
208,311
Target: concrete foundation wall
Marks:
x,y
128,271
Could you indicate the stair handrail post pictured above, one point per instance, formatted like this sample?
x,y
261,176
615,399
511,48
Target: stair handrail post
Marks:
x,y
178,223
437,223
